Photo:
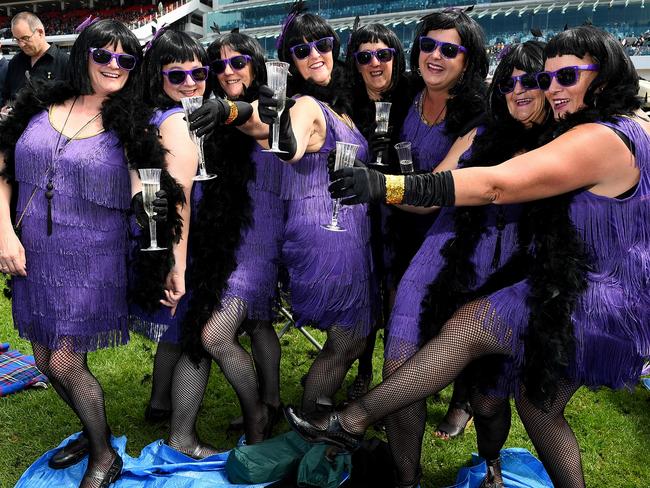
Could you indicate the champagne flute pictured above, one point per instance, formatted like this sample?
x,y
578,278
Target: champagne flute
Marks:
x,y
345,154
382,114
150,185
405,159
276,73
190,104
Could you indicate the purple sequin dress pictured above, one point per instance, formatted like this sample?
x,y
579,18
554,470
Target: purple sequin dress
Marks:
x,y
330,273
256,277
403,336
406,231
160,326
76,285
611,320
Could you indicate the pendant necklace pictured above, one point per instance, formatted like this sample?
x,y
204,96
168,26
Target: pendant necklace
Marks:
x,y
58,149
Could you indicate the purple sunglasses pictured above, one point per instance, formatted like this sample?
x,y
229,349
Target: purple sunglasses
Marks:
x,y
237,63
301,51
103,57
178,76
567,76
448,50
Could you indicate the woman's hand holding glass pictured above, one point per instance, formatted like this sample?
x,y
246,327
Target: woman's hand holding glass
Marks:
x,y
276,72
150,189
191,104
344,157
270,114
382,115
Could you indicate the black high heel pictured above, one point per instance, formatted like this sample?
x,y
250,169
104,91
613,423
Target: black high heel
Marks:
x,y
110,476
333,434
493,477
71,453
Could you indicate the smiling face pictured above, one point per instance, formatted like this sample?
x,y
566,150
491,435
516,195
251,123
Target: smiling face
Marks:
x,y
316,67
233,81
376,75
568,99
526,106
438,72
189,87
107,78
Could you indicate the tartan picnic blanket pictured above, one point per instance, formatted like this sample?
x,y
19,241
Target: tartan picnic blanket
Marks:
x,y
17,371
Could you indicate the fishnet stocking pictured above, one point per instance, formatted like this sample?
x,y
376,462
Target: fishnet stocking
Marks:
x,y
220,339
328,370
553,438
167,355
69,371
188,386
462,339
265,348
405,430
492,418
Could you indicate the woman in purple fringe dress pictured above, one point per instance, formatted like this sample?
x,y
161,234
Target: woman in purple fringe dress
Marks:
x,y
175,66
74,188
237,249
448,49
331,282
580,317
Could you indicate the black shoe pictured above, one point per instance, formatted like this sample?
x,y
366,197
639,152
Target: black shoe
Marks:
x,y
108,477
70,454
462,420
334,434
493,477
156,415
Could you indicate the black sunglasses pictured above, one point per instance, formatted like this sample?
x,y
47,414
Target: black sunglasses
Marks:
x,y
237,63
301,51
103,57
567,76
383,55
528,82
448,50
178,76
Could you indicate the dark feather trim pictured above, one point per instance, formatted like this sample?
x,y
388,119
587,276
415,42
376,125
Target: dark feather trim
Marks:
x,y
455,284
224,212
338,94
129,119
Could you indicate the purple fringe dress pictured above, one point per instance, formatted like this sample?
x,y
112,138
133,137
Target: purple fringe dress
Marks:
x,y
611,320
256,277
75,291
331,279
405,231
160,326
403,336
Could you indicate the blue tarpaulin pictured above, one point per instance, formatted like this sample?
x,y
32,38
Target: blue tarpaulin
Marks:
x,y
158,465
519,467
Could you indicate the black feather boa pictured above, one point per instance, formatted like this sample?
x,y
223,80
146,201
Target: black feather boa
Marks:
x,y
224,212
337,94
455,284
130,120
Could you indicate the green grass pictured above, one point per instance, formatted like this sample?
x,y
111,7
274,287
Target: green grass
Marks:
x,y
613,428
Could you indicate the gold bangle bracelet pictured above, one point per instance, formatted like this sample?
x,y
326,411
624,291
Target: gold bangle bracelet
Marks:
x,y
234,111
394,189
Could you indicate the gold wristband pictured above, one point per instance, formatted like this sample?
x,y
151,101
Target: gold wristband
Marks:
x,y
234,112
394,189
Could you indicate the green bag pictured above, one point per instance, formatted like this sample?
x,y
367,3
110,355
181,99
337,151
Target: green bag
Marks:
x,y
323,467
266,461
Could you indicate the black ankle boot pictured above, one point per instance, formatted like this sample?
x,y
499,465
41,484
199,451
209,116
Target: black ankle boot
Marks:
x,y
493,477
333,433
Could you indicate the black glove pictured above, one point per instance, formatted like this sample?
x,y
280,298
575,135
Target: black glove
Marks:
x,y
268,111
379,144
208,116
331,160
358,185
159,208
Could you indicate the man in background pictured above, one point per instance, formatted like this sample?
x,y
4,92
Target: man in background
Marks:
x,y
37,58
3,74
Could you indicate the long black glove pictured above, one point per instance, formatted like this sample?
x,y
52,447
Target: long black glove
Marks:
x,y
358,185
159,208
216,112
331,160
268,111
